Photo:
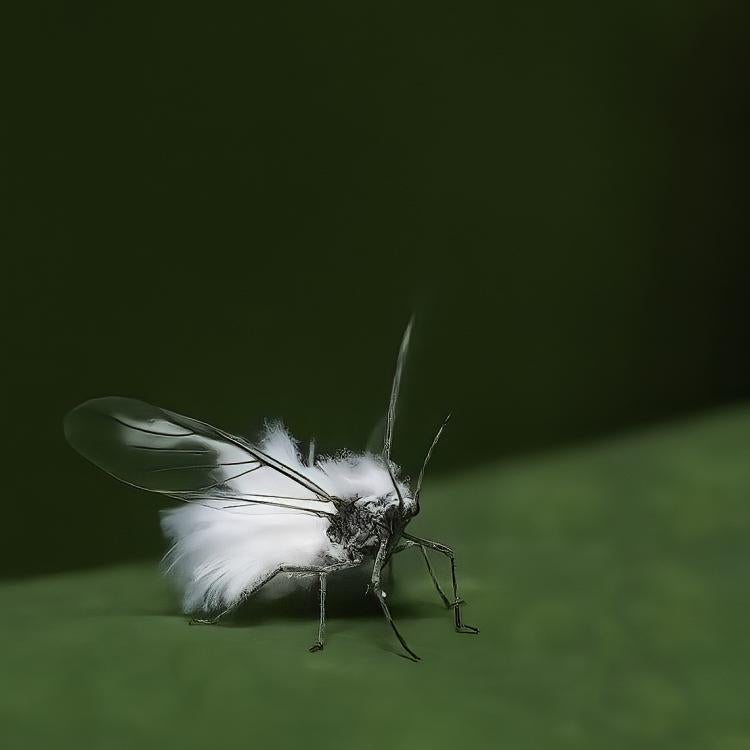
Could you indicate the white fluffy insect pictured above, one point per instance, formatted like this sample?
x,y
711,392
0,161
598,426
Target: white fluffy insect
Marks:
x,y
256,513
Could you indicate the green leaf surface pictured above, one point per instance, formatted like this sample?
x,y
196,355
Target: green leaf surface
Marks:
x,y
610,583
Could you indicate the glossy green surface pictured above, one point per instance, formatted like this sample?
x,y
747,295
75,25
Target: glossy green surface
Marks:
x,y
610,583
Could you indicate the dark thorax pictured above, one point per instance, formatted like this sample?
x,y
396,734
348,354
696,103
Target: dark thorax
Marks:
x,y
361,524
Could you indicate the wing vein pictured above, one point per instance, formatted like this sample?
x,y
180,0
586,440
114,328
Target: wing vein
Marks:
x,y
150,432
168,450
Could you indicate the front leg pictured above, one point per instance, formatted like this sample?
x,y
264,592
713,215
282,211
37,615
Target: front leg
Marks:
x,y
408,543
457,601
380,596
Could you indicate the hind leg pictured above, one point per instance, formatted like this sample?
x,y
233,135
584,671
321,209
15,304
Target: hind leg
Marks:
x,y
321,571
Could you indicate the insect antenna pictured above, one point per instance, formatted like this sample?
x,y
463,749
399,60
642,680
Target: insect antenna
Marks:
x,y
391,417
427,460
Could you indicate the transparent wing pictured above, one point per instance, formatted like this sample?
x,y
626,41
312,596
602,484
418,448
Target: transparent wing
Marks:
x,y
161,451
376,437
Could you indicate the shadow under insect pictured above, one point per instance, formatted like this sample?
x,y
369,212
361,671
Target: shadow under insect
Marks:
x,y
347,597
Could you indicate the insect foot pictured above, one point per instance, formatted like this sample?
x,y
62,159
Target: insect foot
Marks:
x,y
460,626
198,621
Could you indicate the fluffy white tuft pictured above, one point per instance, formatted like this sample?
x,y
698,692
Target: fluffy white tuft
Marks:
x,y
219,554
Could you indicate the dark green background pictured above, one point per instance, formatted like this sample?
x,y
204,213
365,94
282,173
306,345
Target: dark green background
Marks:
x,y
232,210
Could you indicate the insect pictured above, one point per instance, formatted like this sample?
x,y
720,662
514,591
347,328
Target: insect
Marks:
x,y
257,514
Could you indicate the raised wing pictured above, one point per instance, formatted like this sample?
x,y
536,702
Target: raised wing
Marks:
x,y
161,451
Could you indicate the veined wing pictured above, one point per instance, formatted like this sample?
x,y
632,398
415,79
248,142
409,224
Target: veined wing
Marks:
x,y
161,451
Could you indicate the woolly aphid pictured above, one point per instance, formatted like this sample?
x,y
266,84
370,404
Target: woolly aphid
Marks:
x,y
256,513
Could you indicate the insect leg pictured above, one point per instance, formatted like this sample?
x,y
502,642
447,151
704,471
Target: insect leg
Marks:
x,y
405,545
206,620
380,596
211,620
318,645
440,591
215,619
457,601
321,571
